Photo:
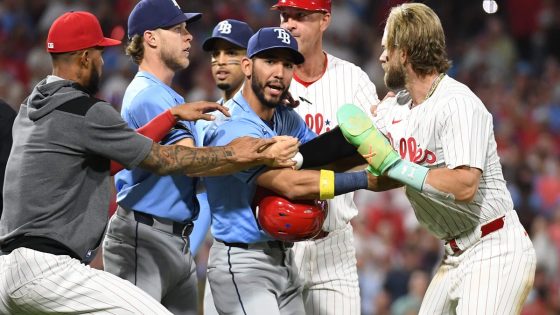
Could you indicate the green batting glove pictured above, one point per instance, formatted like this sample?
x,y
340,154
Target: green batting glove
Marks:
x,y
359,130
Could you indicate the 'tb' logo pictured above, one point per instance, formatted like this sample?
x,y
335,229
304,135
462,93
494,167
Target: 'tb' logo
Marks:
x,y
283,35
224,27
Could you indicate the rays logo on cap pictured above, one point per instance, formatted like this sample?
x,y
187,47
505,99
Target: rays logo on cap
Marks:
x,y
176,4
224,27
283,35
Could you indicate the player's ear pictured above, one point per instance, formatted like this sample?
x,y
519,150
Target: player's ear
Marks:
x,y
325,21
246,66
150,38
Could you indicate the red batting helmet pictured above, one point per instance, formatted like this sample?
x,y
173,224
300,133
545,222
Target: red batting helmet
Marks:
x,y
310,5
290,221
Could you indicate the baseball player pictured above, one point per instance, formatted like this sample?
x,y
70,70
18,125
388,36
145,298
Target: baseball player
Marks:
x,y
55,204
227,46
248,271
321,84
442,148
147,240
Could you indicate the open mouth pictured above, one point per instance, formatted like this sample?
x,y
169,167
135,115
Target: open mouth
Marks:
x,y
222,74
275,89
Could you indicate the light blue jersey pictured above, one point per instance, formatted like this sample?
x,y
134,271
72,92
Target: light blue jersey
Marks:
x,y
230,197
171,197
204,219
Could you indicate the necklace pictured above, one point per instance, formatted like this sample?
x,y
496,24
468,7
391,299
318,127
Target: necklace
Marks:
x,y
434,85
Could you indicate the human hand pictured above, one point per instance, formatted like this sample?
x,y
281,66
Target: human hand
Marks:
x,y
381,183
289,101
282,152
373,108
197,110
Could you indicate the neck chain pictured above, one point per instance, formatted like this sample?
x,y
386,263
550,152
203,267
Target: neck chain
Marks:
x,y
434,85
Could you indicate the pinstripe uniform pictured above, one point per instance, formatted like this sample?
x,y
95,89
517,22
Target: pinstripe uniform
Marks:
x,y
37,281
490,262
327,266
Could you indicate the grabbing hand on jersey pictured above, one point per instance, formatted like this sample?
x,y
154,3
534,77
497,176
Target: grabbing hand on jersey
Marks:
x,y
373,108
280,152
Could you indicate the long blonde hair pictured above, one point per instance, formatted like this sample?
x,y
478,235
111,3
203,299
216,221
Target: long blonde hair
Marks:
x,y
416,29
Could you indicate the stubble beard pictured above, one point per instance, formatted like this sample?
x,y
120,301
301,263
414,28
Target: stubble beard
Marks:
x,y
172,62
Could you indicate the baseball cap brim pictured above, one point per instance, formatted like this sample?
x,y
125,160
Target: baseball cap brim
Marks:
x,y
185,17
208,44
297,57
109,42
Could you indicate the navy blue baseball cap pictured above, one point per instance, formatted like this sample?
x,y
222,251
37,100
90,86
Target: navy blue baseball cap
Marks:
x,y
232,31
268,38
154,14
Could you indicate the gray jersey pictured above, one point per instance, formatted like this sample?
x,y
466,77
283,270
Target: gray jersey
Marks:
x,y
58,172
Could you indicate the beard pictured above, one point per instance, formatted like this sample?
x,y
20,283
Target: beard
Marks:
x,y
173,62
224,86
258,89
93,85
395,77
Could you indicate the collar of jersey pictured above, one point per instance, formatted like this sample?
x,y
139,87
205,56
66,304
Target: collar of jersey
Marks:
x,y
240,102
151,77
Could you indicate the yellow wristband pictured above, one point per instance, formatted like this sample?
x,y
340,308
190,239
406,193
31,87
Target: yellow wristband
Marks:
x,y
326,185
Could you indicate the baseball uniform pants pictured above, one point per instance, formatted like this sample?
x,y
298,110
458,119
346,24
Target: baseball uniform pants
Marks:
x,y
327,267
154,259
492,276
33,282
255,280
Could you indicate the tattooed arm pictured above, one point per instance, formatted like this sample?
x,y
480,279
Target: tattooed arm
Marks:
x,y
239,154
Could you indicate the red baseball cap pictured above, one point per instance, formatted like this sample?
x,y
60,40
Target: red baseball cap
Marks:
x,y
309,5
76,30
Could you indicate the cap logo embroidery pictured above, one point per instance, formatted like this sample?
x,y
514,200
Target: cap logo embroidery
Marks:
x,y
224,27
283,35
50,45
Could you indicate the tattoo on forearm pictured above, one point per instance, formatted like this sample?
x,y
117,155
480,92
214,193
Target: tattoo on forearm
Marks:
x,y
179,159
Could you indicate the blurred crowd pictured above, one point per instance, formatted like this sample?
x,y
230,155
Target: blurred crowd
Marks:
x,y
510,59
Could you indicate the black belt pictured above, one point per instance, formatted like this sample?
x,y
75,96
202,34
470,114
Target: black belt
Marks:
x,y
38,243
183,229
261,245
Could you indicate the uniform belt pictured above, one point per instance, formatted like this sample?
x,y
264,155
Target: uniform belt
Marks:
x,y
182,229
452,247
260,245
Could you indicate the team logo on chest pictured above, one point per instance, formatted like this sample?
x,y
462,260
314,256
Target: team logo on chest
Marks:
x,y
409,149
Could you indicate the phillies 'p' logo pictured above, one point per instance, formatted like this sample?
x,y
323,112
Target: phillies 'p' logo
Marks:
x,y
283,35
224,27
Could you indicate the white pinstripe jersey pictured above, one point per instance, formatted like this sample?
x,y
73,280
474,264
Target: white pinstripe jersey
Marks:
x,y
449,129
342,83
